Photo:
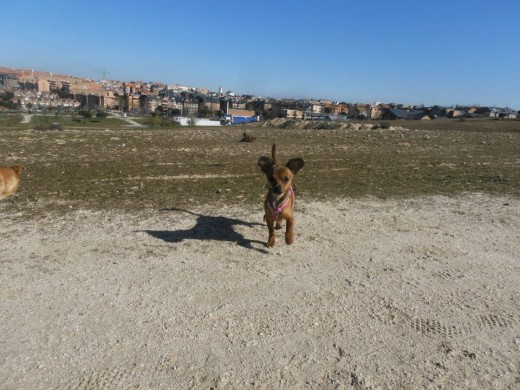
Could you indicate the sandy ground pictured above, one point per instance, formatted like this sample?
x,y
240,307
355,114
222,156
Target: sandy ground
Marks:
x,y
419,293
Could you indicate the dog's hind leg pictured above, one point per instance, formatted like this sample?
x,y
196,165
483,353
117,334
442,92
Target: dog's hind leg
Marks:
x,y
289,231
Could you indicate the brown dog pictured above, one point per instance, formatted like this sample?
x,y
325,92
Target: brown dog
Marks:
x,y
279,202
9,180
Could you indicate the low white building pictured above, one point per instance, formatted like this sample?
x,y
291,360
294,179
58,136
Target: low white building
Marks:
x,y
186,121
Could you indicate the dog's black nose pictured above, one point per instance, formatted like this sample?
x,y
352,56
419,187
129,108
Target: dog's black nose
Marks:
x,y
278,189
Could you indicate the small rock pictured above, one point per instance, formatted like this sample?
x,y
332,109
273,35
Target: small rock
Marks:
x,y
471,355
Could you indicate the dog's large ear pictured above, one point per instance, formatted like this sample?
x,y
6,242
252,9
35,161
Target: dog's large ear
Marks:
x,y
18,169
265,163
295,164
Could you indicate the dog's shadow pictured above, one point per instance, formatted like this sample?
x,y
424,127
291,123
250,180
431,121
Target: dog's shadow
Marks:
x,y
207,228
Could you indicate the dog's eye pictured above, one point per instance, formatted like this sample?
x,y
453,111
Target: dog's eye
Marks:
x,y
286,180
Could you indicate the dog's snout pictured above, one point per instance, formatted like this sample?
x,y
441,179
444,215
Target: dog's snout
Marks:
x,y
278,189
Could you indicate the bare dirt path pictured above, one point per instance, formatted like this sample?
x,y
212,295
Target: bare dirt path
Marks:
x,y
27,118
419,293
132,123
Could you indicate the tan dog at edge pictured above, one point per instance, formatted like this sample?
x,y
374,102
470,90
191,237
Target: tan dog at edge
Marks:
x,y
9,180
279,202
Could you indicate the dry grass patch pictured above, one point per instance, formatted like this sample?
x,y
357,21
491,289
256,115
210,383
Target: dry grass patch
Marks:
x,y
135,169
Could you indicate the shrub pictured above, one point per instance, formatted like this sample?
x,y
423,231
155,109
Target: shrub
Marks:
x,y
289,124
85,114
48,126
159,121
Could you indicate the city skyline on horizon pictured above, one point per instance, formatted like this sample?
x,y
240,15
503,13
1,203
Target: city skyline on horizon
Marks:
x,y
144,80
410,53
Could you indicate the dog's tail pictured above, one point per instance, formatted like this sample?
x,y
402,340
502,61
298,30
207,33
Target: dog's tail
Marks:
x,y
275,159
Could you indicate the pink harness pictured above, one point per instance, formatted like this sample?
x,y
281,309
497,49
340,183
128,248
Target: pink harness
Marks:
x,y
277,211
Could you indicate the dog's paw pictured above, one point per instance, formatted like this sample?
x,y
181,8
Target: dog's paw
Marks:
x,y
278,225
289,239
271,242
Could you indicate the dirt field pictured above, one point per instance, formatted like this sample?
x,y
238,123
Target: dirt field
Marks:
x,y
133,169
135,259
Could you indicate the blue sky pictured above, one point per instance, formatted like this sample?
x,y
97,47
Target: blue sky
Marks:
x,y
442,52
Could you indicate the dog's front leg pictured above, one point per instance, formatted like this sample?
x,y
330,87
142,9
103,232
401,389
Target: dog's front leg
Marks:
x,y
289,231
270,226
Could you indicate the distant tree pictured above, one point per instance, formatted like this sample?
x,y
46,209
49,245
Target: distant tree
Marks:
x,y
276,111
154,120
6,100
85,114
63,92
9,105
121,102
101,114
158,111
267,114
327,110
204,111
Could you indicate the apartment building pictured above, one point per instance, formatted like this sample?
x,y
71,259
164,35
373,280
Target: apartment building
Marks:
x,y
43,85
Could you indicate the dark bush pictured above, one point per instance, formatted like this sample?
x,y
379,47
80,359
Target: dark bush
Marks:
x,y
48,126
